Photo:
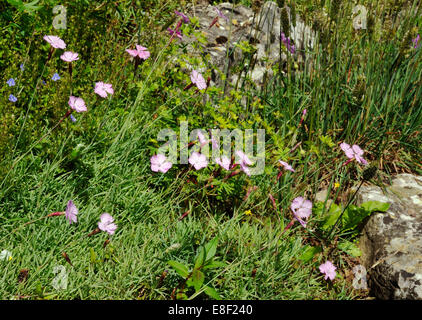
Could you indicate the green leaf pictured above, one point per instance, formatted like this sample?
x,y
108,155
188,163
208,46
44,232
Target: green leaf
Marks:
x,y
198,278
211,248
93,255
180,268
215,264
332,216
350,248
200,258
212,293
374,206
309,253
353,216
32,6
16,3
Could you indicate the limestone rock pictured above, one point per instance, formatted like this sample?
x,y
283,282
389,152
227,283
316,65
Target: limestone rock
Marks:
x,y
261,30
392,242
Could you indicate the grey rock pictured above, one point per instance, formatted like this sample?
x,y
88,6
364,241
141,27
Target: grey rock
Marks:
x,y
391,243
261,30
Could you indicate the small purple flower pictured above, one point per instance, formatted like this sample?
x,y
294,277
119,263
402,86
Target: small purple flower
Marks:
x,y
12,98
72,118
287,43
416,41
11,82
176,33
22,66
220,14
184,17
55,77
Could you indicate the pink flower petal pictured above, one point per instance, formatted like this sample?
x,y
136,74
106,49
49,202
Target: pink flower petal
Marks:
x,y
198,80
55,42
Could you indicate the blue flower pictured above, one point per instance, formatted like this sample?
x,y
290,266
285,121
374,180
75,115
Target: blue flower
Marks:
x,y
55,77
12,98
72,118
11,82
22,66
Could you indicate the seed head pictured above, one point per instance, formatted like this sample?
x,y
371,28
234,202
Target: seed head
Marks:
x,y
285,24
369,173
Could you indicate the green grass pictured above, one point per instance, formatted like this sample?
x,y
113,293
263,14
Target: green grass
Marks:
x,y
362,88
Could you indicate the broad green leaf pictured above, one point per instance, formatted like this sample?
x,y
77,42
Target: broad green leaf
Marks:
x,y
309,253
200,258
373,206
353,216
198,278
212,293
181,269
215,264
350,248
331,217
211,248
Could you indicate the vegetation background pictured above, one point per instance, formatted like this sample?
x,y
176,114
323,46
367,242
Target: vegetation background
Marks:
x,y
364,87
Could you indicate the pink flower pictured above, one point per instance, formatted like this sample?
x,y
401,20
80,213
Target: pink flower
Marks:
x,y
69,56
140,52
55,42
353,152
102,89
198,160
244,162
214,142
224,162
198,80
106,223
302,209
159,163
328,269
286,166
71,212
201,139
77,104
